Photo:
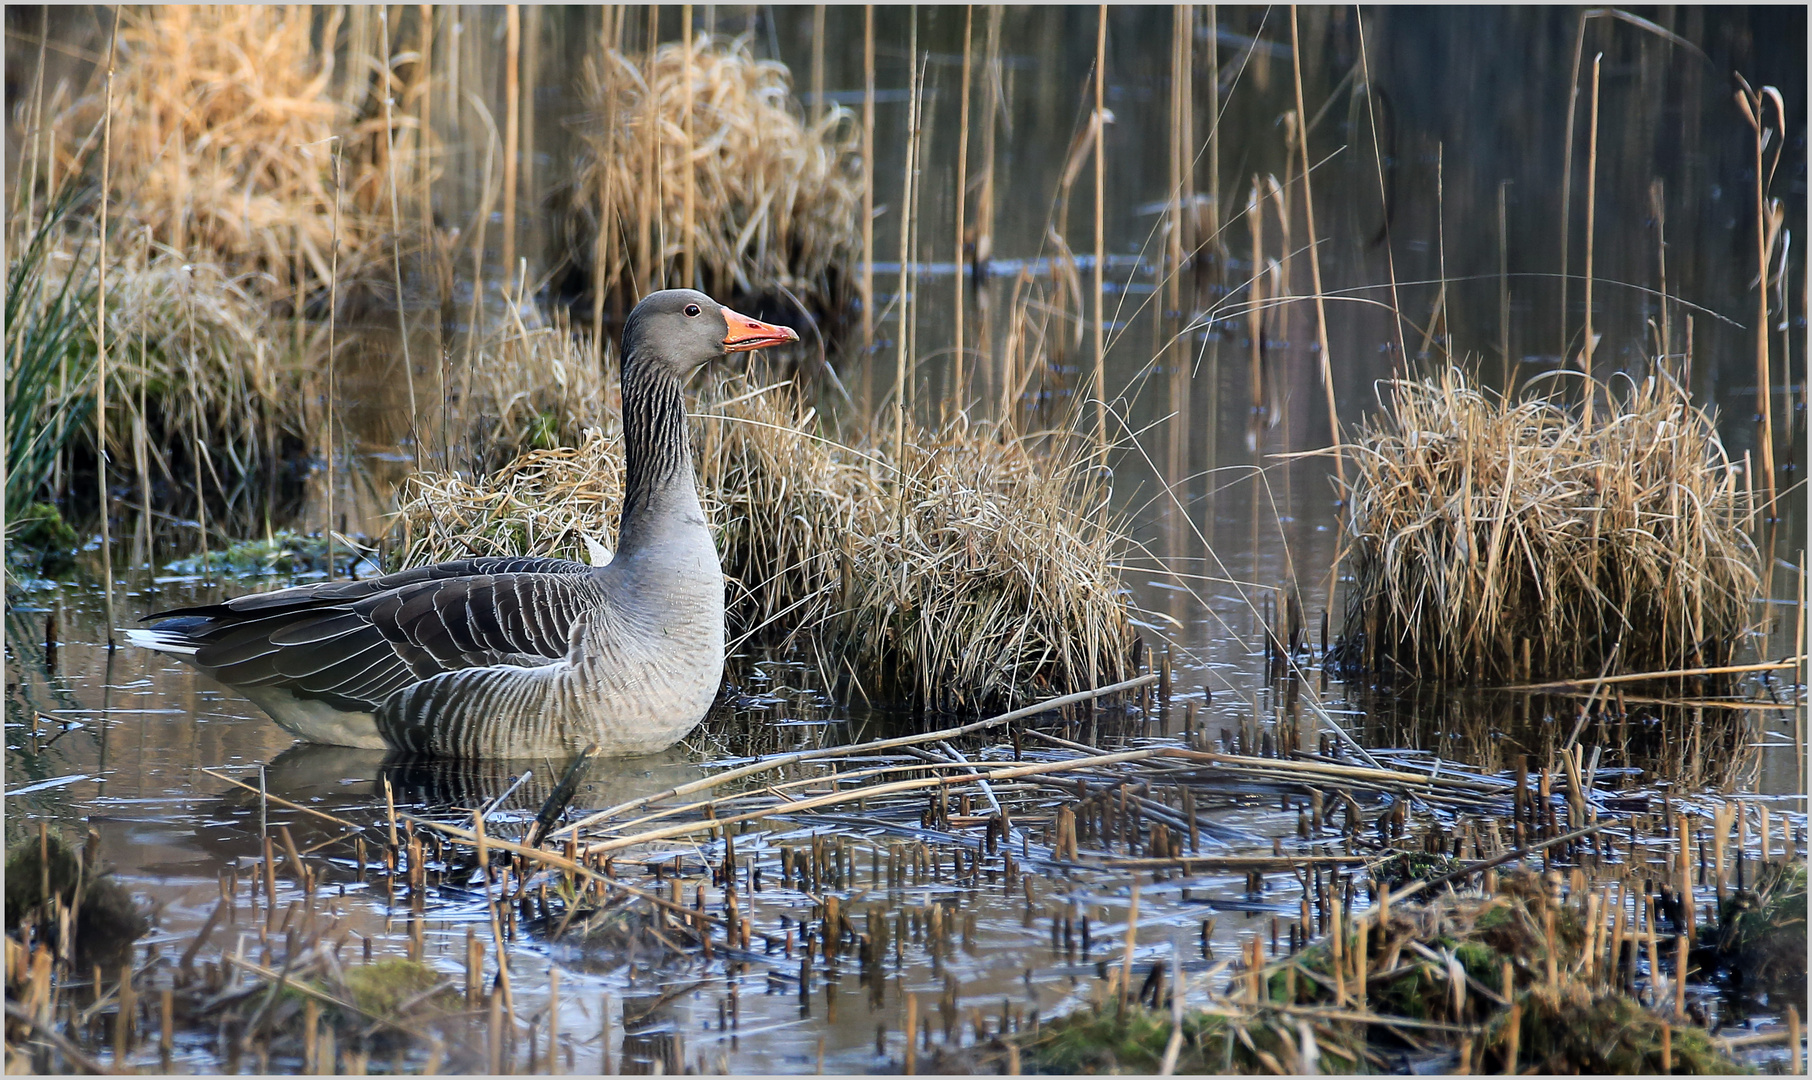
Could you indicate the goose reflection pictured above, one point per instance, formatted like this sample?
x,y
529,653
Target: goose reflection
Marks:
x,y
343,789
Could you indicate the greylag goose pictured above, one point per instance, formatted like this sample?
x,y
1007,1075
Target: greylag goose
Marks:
x,y
513,656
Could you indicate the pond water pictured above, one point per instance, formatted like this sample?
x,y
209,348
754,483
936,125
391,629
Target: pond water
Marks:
x,y
1473,108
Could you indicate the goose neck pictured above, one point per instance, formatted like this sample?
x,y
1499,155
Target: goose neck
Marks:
x,y
657,453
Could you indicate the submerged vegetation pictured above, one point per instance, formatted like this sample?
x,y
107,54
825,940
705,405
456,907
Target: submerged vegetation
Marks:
x,y
1502,540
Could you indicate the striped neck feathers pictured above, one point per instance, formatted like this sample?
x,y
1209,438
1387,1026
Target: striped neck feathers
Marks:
x,y
657,451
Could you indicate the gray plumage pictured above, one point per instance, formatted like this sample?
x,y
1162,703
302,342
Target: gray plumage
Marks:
x,y
513,656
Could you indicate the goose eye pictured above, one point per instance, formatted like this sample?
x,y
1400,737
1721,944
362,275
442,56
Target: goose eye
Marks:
x,y
691,311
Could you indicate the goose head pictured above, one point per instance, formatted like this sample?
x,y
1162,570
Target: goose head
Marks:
x,y
683,330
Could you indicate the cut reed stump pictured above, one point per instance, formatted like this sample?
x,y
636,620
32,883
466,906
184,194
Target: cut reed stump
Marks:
x,y
1502,541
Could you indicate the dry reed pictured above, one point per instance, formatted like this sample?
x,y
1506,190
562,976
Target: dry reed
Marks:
x,y
1501,540
989,574
224,113
777,197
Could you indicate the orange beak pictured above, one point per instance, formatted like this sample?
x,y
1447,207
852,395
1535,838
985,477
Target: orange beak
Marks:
x,y
746,333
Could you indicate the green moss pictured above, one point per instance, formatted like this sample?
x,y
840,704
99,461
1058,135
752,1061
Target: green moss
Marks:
x,y
283,553
382,987
1761,933
41,526
108,921
1133,1041
1570,1030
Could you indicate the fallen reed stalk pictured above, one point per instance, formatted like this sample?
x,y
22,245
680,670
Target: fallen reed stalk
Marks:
x,y
787,760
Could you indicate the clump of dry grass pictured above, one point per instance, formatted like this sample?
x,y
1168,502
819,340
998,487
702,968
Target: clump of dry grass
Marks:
x,y
777,198
982,575
527,388
222,140
1502,540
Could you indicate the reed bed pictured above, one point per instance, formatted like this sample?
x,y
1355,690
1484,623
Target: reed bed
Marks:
x,y
224,146
1501,540
769,199
983,573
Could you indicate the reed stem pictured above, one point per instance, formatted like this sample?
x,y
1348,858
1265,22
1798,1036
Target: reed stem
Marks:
x,y
1308,206
1591,219
868,182
333,312
902,344
957,386
1764,389
105,504
512,122
1566,181
396,225
1100,244
688,174
1503,286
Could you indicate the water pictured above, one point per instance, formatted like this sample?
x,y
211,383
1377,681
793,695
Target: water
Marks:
x,y
1467,102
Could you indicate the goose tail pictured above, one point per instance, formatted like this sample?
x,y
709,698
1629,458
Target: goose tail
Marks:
x,y
169,636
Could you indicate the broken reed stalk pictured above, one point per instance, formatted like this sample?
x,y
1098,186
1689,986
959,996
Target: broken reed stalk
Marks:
x,y
1255,304
901,336
512,119
957,385
1753,107
1566,178
1591,217
104,503
1308,206
1100,121
396,225
868,181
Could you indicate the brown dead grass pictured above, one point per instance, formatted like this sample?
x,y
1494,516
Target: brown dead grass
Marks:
x,y
1480,525
777,197
222,141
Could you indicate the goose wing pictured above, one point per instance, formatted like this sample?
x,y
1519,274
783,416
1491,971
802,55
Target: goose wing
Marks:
x,y
353,644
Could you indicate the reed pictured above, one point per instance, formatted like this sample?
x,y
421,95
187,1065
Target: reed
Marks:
x,y
102,502
1100,331
1591,217
396,222
868,181
220,112
1767,228
512,125
1308,206
958,386
775,196
1485,527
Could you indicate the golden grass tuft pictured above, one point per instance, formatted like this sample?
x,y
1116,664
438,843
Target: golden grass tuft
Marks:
x,y
991,579
1484,529
777,197
221,146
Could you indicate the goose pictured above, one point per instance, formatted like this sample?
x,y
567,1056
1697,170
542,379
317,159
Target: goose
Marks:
x,y
513,656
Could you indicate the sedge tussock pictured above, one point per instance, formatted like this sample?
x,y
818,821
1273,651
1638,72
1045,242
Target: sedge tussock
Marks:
x,y
1486,531
222,144
777,197
985,576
